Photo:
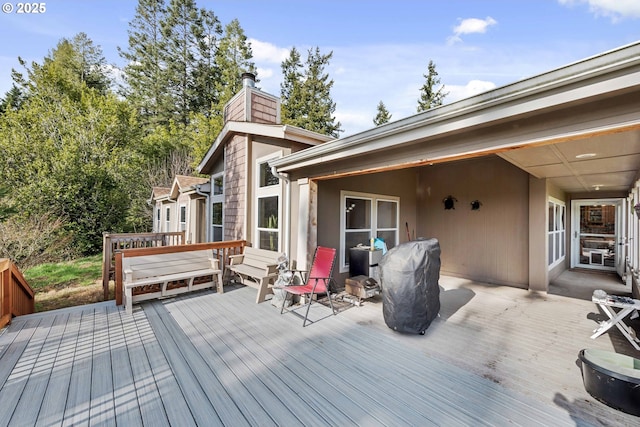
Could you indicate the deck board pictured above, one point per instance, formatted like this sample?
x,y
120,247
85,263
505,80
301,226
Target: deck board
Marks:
x,y
125,399
495,356
38,381
52,409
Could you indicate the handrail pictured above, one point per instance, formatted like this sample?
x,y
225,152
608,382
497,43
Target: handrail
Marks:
x,y
221,250
16,296
112,242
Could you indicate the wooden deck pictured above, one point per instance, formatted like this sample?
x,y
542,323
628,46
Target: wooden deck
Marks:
x,y
495,356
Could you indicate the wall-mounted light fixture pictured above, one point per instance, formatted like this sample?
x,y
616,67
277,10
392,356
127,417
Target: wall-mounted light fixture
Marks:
x,y
449,202
475,205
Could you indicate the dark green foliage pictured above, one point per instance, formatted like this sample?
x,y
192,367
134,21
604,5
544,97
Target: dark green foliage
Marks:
x,y
383,116
432,93
12,100
306,93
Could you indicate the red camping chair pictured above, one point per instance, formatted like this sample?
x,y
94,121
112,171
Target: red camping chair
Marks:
x,y
316,283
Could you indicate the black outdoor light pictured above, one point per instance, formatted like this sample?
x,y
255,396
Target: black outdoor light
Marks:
x,y
449,202
475,205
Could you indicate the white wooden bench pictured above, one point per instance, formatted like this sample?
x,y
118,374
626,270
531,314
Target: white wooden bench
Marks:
x,y
256,268
159,275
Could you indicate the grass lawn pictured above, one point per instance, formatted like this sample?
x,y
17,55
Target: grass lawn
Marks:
x,y
66,284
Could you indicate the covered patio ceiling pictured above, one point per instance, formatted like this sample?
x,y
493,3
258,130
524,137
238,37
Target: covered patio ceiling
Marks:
x,y
598,163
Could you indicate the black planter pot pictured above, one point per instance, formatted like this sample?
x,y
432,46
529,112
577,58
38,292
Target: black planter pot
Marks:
x,y
611,378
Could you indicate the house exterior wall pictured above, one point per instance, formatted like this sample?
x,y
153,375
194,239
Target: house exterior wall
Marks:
x,y
490,244
401,183
235,185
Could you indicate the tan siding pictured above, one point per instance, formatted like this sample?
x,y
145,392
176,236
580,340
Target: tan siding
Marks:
x,y
490,244
397,183
263,110
235,189
235,110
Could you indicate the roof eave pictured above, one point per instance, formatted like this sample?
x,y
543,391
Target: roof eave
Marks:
x,y
536,86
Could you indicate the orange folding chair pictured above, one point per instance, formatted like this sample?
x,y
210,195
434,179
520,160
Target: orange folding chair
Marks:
x,y
317,282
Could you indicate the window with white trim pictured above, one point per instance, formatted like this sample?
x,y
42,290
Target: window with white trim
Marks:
x,y
183,218
167,219
364,216
157,221
556,232
217,208
268,196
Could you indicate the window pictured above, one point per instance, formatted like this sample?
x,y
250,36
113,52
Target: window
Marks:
x,y
556,230
217,208
268,192
158,221
167,219
183,218
364,216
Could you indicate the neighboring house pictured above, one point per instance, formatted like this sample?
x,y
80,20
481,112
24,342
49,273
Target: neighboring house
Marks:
x,y
550,164
246,201
182,207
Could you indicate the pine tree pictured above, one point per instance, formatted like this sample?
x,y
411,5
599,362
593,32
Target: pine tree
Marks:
x,y
307,101
232,59
383,116
90,65
291,99
145,74
432,92
12,100
179,30
206,72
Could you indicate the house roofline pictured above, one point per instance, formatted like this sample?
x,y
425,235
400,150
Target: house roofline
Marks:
x,y
471,111
285,132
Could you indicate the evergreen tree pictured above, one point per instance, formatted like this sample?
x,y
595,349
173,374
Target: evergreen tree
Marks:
x,y
180,29
12,100
432,92
233,58
383,116
206,72
90,63
145,73
307,101
291,99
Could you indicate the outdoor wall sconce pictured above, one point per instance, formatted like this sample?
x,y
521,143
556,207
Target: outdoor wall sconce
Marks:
x,y
475,205
449,202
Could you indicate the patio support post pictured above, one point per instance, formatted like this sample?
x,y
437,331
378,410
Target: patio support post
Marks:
x,y
307,222
538,235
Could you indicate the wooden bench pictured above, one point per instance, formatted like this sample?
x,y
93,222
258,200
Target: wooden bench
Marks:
x,y
159,275
256,268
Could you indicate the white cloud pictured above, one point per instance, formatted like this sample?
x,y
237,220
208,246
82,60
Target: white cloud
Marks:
x,y
473,87
614,9
268,52
471,26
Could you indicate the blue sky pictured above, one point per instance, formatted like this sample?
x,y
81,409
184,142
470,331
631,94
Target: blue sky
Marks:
x,y
380,48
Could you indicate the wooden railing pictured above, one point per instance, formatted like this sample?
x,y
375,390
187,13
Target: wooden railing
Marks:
x,y
16,296
113,242
222,250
